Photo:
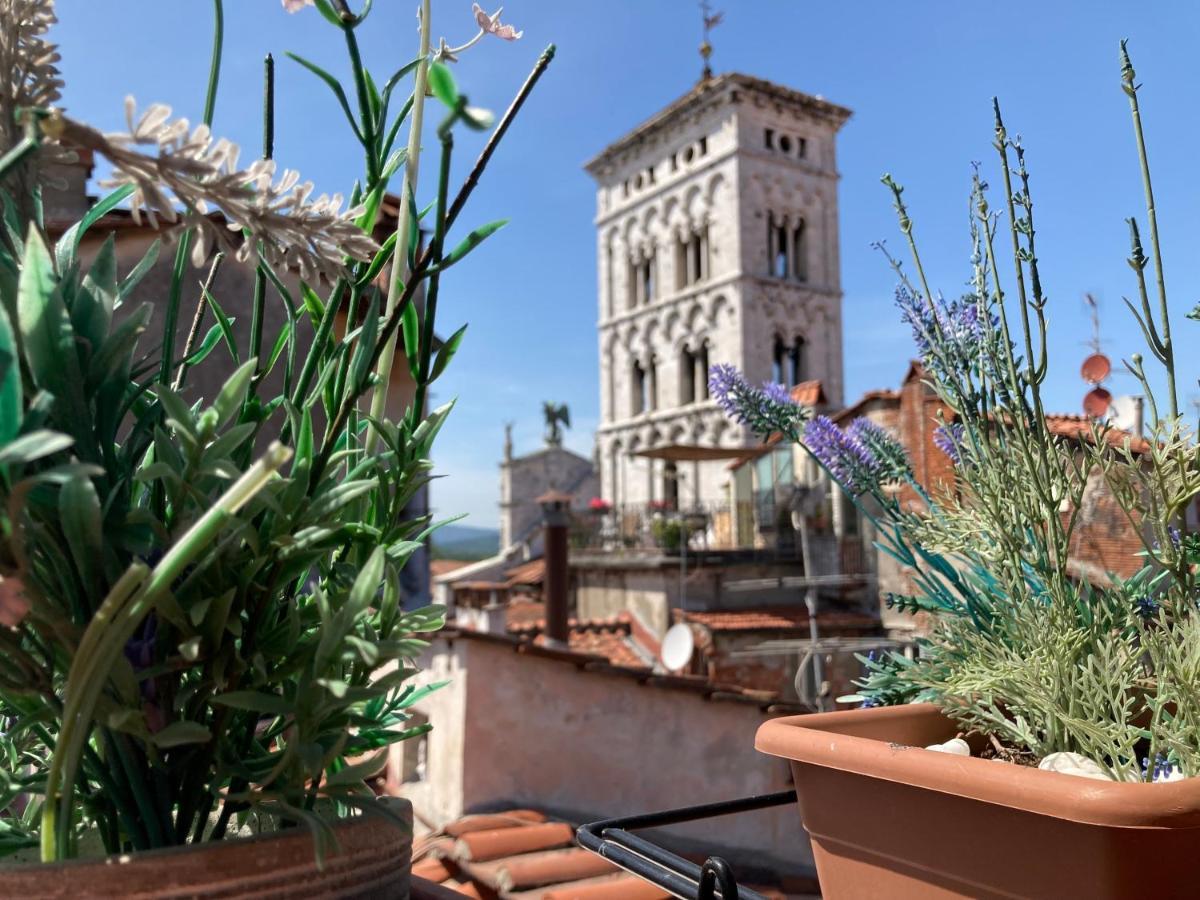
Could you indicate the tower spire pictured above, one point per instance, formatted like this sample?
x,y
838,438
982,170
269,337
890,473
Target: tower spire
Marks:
x,y
711,20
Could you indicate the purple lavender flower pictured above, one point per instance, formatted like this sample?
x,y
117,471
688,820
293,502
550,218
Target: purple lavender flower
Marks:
x,y
890,461
776,393
1146,607
767,410
948,438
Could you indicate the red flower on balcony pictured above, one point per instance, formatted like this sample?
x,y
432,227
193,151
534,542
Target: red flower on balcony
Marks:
x,y
599,505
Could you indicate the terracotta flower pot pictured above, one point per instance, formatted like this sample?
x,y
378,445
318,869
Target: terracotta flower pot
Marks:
x,y
890,819
374,863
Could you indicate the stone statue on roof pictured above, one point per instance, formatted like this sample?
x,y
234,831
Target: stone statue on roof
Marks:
x,y
556,414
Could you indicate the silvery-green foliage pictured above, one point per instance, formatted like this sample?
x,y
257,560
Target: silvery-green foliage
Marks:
x,y
1038,650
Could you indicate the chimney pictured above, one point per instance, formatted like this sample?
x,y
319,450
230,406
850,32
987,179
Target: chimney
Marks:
x,y
555,509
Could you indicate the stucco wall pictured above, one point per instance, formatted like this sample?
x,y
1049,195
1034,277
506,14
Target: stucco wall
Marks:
x,y
584,745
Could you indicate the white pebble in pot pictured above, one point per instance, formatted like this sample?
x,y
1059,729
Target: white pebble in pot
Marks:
x,y
956,745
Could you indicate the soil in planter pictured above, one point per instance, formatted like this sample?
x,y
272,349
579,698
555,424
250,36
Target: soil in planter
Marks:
x,y
1010,753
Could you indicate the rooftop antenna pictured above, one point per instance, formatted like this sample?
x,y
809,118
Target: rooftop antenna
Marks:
x,y
1095,368
711,21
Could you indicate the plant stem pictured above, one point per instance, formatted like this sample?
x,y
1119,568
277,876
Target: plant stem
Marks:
x,y
258,310
174,293
1131,89
400,274
197,321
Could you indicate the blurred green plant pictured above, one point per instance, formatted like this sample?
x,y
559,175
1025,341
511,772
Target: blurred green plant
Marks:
x,y
195,629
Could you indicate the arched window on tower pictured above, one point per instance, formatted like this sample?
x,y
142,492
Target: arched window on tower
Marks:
x,y
796,362
638,384
779,249
800,252
632,283
681,263
698,254
652,384
779,359
687,377
647,274
702,371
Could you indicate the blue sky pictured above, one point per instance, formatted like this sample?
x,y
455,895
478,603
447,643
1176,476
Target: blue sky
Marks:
x,y
918,75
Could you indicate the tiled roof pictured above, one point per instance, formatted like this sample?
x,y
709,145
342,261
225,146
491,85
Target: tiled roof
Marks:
x,y
532,572
809,393
1080,428
769,702
611,638
524,857
445,566
517,854
775,618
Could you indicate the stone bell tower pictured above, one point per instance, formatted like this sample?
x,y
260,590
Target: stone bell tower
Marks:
x,y
717,242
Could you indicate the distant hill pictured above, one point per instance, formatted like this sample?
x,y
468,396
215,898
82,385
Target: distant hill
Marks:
x,y
465,542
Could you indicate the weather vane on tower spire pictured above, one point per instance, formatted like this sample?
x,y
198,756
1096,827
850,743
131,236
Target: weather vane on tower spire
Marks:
x,y
711,21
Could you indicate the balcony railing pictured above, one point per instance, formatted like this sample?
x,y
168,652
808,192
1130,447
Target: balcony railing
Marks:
x,y
660,527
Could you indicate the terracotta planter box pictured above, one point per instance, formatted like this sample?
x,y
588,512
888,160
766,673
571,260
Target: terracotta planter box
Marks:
x,y
374,864
890,819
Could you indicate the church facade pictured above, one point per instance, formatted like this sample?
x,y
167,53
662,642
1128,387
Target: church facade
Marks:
x,y
717,242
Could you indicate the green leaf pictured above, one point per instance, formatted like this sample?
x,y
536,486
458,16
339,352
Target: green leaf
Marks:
x,y
446,353
42,318
381,259
226,324
68,245
312,303
205,347
255,701
138,272
410,328
233,393
441,82
325,8
35,445
10,381
360,363
470,242
91,315
82,524
334,85
179,733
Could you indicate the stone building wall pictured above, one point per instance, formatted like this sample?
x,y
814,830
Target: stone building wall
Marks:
x,y
689,197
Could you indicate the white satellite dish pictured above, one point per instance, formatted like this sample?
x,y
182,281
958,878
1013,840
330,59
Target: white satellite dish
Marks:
x,y
677,647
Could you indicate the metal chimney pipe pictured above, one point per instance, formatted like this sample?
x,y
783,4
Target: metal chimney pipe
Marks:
x,y
555,509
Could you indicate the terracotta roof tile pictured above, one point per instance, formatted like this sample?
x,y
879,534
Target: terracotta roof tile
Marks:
x,y
532,572
444,566
611,638
530,870
809,393
775,618
494,843
491,821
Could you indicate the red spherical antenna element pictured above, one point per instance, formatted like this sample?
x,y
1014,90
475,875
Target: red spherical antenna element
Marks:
x,y
1095,368
1096,402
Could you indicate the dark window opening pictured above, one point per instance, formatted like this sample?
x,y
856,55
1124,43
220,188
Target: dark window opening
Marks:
x,y
639,389
675,162
801,147
703,371
796,362
779,264
800,252
687,377
652,385
671,485
785,144
778,362
704,146
769,138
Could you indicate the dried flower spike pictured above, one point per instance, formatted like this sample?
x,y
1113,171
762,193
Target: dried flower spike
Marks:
x,y
191,173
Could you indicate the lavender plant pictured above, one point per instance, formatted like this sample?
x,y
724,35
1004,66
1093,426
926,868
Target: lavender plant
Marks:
x,y
200,598
1024,646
